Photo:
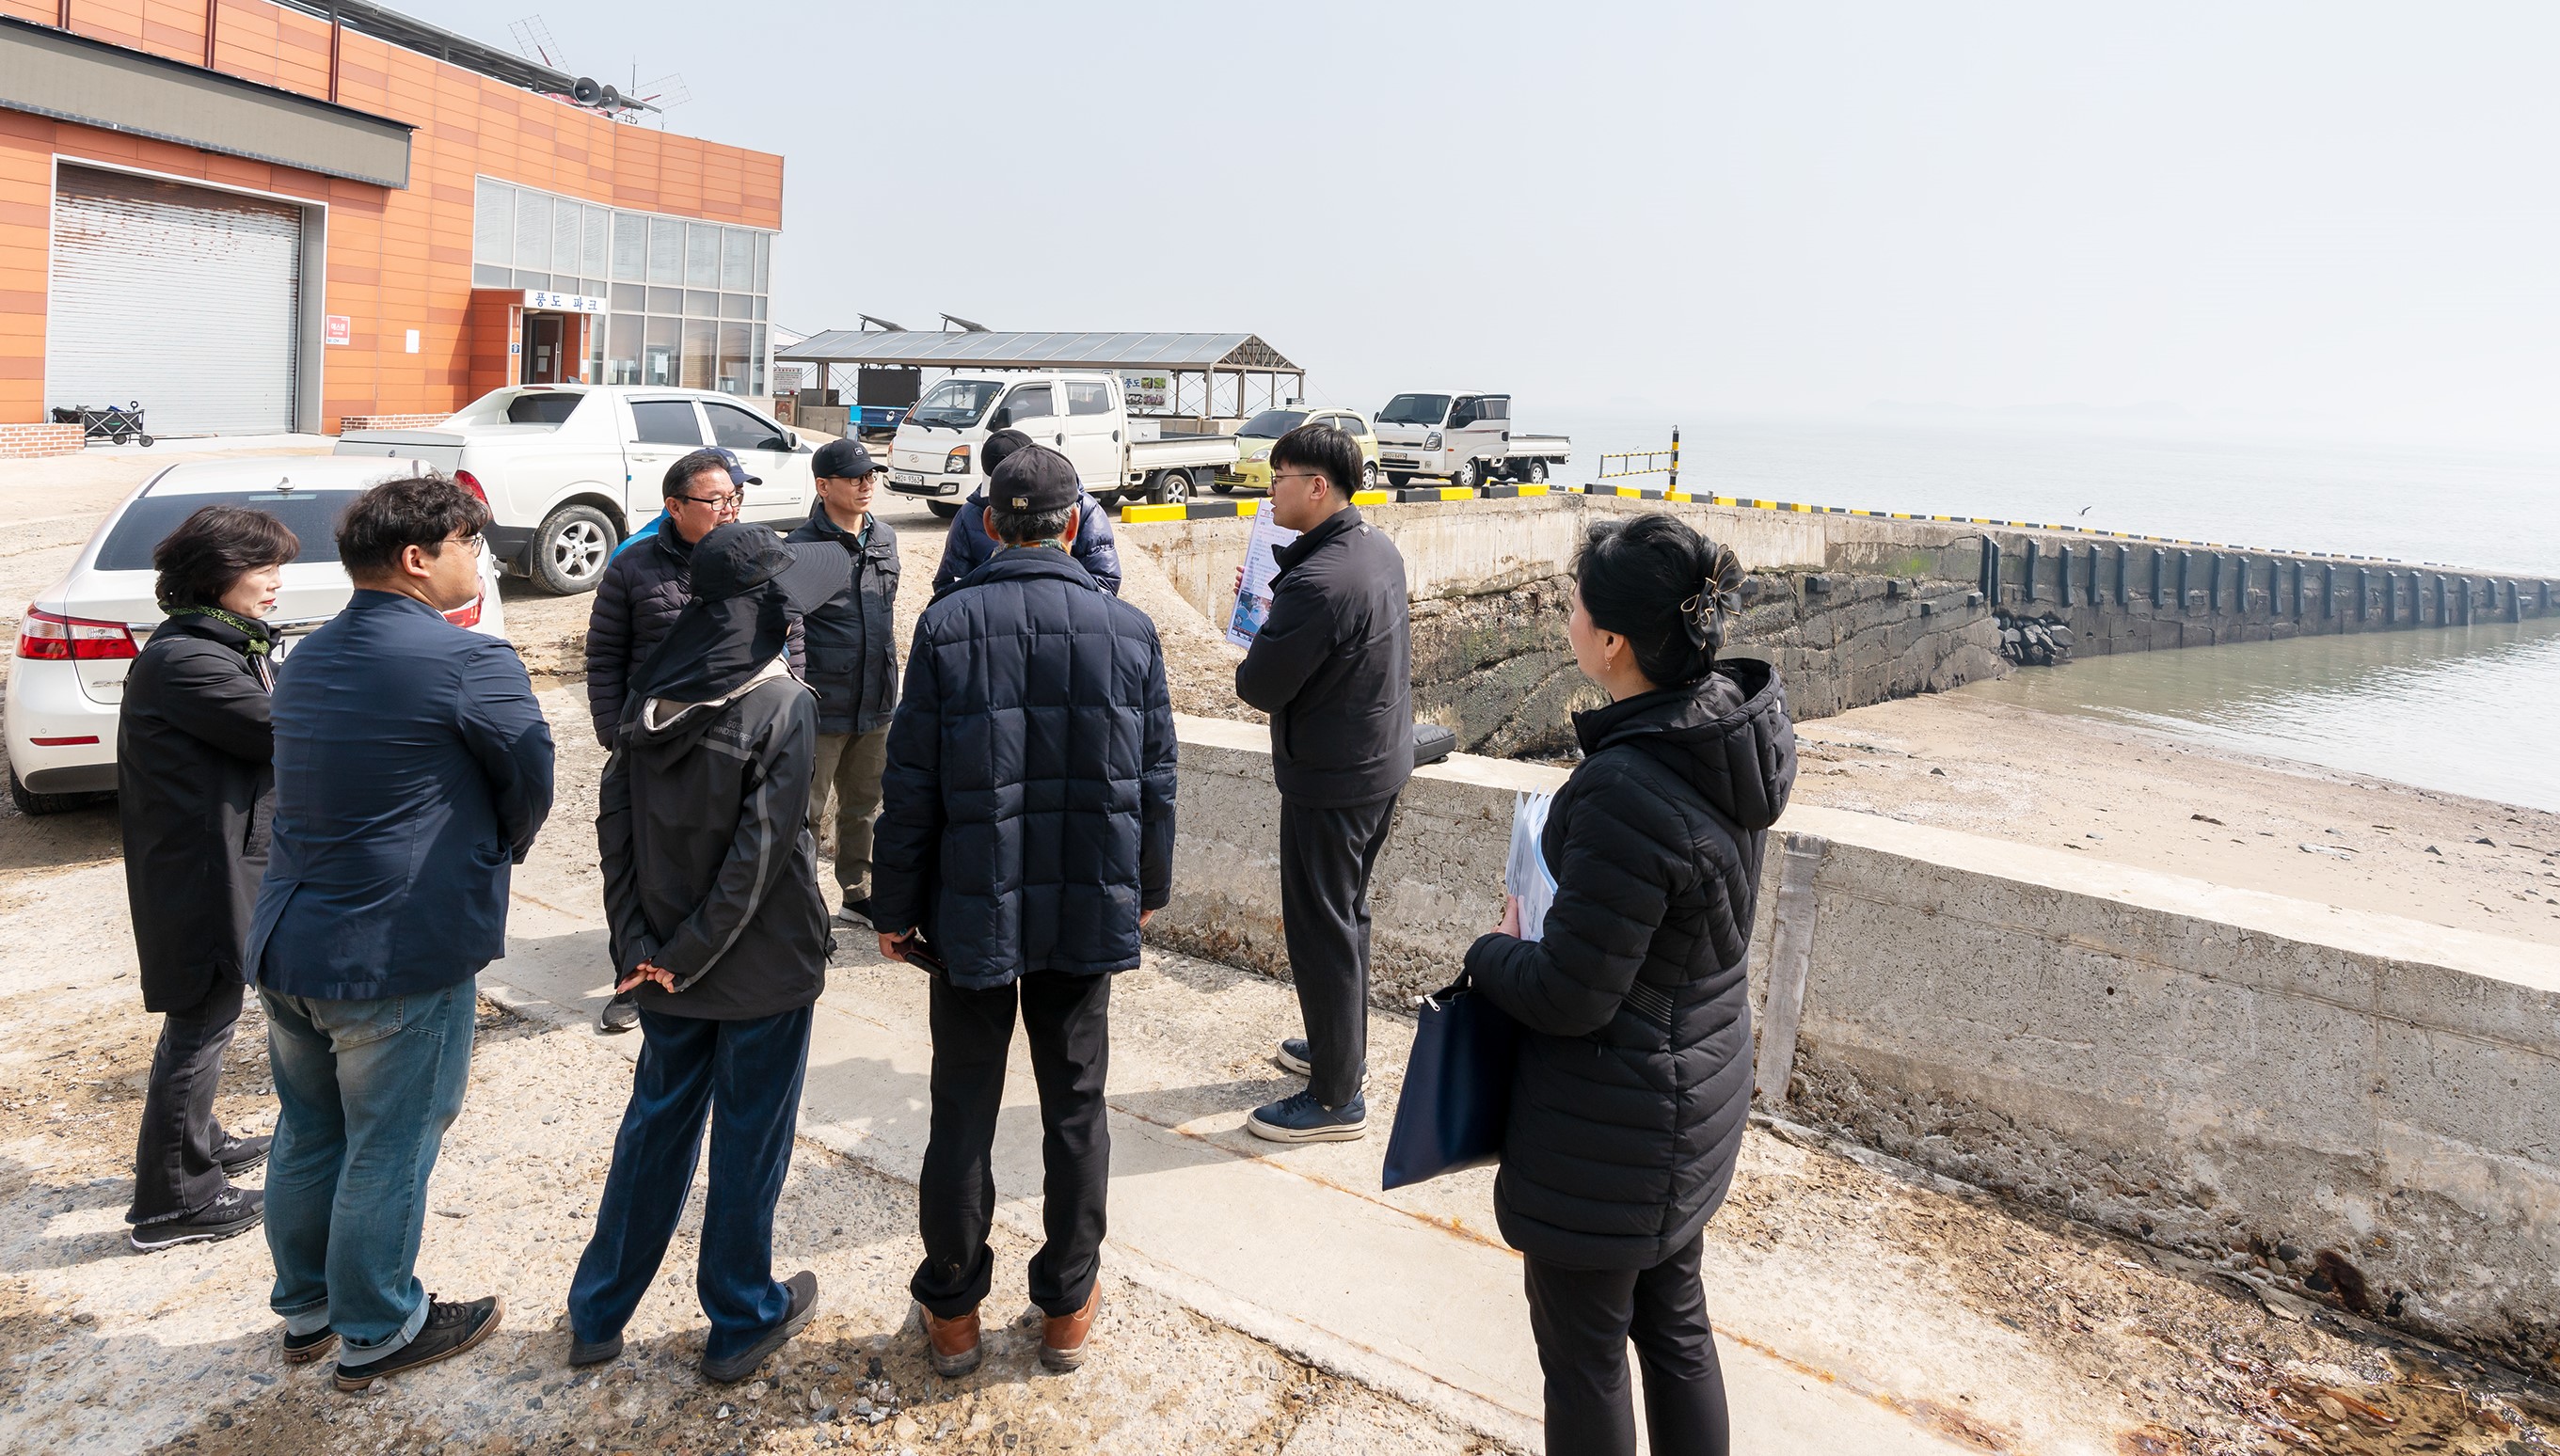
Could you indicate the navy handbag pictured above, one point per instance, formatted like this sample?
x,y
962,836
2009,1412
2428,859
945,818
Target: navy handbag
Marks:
x,y
1457,1097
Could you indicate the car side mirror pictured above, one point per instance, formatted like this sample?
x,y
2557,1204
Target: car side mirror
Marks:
x,y
790,439
1002,419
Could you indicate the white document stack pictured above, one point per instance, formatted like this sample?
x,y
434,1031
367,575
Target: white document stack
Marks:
x,y
1527,876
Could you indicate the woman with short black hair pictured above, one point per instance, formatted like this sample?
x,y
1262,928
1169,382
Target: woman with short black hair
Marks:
x,y
193,754
1634,1081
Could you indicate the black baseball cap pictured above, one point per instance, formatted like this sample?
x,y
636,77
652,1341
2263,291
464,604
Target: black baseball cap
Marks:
x,y
990,456
1031,480
841,460
734,559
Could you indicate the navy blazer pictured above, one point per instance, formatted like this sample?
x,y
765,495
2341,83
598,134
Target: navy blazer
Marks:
x,y
412,769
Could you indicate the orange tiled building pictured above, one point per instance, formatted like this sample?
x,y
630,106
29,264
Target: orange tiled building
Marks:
x,y
249,219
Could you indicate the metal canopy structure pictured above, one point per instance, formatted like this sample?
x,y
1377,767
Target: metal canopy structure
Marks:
x,y
1210,358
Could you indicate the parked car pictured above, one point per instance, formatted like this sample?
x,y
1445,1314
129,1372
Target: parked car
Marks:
x,y
1082,416
1464,439
80,637
1254,441
569,470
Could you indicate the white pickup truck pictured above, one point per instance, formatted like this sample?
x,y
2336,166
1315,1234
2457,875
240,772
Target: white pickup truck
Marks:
x,y
570,470
1082,416
1464,439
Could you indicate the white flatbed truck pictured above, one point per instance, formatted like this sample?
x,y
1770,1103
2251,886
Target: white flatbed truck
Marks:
x,y
939,446
1462,438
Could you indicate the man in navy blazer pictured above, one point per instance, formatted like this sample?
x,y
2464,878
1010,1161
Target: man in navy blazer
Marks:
x,y
412,770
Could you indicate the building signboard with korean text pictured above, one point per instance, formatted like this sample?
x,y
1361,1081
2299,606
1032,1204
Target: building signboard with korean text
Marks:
x,y
561,303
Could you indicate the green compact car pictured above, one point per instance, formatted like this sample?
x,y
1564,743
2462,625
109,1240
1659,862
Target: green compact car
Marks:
x,y
1253,443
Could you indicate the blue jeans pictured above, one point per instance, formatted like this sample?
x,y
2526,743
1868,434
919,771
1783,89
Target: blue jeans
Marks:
x,y
363,1091
745,1076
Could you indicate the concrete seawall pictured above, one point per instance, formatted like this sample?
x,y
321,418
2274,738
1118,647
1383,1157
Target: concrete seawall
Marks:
x,y
2352,1106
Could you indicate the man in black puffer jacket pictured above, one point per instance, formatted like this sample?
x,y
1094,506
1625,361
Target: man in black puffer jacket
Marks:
x,y
853,665
966,546
1634,1081
1026,830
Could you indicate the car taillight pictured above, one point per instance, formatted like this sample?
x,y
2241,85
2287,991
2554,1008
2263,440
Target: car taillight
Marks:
x,y
47,637
466,615
469,482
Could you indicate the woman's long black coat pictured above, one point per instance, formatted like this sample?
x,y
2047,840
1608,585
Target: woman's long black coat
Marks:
x,y
196,780
1635,1076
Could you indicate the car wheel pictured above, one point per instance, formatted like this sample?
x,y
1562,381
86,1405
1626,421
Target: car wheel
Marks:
x,y
1535,473
1173,486
31,803
1464,477
1399,479
1368,475
571,549
943,510
1223,488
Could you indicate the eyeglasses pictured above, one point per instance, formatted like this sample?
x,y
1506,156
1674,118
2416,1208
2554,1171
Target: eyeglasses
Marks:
x,y
1308,475
474,543
719,504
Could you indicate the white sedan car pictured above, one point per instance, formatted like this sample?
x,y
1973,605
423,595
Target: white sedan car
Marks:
x,y
80,639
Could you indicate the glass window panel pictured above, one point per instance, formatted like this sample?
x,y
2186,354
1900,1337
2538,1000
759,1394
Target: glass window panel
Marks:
x,y
630,247
737,259
491,275
658,353
759,306
755,351
666,251
622,348
532,230
732,359
665,300
733,306
569,223
492,222
666,422
702,255
702,345
599,242
764,262
628,298
699,305
740,429
528,279
596,325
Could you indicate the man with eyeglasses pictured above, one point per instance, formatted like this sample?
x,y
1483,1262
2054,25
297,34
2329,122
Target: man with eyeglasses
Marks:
x,y
642,592
412,770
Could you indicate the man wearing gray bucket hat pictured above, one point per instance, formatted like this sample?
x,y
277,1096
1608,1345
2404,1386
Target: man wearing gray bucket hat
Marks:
x,y
711,890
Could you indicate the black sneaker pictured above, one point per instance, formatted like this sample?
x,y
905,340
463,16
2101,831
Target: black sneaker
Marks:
x,y
450,1330
619,1014
804,1306
232,1211
240,1154
308,1349
1300,1118
1294,1056
856,912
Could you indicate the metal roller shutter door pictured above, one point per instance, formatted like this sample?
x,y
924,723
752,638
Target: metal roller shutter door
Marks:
x,y
184,298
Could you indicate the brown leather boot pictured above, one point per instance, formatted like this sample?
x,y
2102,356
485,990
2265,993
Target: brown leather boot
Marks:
x,y
954,1342
1062,1336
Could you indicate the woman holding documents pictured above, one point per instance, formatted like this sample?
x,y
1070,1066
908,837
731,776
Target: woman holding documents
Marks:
x,y
1635,1072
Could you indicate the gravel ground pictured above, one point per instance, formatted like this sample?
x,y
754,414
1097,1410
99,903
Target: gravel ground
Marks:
x,y
103,1350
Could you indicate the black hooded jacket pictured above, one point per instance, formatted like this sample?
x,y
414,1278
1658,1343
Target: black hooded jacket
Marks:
x,y
194,762
1635,1076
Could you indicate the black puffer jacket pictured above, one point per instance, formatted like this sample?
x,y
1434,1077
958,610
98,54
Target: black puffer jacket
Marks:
x,y
703,823
966,546
643,589
852,640
1634,1077
196,790
1026,810
1334,666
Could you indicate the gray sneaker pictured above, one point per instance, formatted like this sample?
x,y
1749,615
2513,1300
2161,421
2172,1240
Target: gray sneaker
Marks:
x,y
619,1014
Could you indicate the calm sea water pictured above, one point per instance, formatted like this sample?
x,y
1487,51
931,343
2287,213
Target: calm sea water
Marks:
x,y
2467,710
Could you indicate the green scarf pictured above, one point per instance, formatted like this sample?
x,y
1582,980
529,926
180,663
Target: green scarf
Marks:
x,y
255,632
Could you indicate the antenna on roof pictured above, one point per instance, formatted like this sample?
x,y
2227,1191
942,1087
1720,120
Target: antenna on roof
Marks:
x,y
966,325
870,323
534,42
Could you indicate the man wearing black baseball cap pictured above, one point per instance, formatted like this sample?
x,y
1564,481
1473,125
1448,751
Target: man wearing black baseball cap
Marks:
x,y
1025,833
710,892
852,663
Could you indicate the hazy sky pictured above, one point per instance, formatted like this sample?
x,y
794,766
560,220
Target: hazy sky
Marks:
x,y
2337,217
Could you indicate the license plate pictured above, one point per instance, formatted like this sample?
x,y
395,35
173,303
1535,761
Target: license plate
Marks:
x,y
905,478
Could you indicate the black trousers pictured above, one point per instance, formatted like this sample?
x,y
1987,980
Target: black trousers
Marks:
x,y
174,1172
1583,1319
1326,857
1067,1020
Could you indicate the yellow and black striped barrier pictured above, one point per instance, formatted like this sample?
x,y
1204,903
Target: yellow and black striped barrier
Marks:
x,y
1413,494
